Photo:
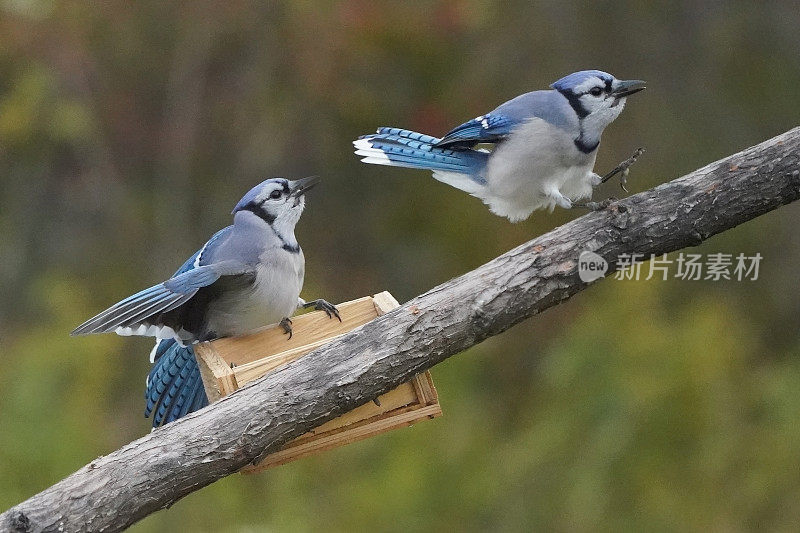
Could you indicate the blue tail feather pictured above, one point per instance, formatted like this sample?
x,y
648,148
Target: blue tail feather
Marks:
x,y
408,134
185,401
174,387
406,148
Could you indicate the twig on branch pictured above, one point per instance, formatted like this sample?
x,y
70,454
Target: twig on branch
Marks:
x,y
153,472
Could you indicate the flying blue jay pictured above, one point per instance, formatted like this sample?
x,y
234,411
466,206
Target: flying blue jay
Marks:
x,y
246,276
545,146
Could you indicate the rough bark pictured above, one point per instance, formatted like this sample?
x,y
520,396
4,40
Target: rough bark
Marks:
x,y
153,472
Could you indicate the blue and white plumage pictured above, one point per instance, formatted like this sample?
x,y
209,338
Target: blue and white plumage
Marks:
x,y
246,276
545,146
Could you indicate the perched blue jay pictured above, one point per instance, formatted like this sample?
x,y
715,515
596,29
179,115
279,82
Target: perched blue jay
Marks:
x,y
545,146
246,276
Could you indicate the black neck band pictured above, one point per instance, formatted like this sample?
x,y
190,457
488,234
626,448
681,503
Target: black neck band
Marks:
x,y
259,211
291,248
585,147
575,103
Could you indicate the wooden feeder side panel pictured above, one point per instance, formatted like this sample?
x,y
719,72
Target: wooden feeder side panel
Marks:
x,y
227,364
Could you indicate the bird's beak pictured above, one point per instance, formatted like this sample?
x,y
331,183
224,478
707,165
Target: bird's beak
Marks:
x,y
303,185
628,87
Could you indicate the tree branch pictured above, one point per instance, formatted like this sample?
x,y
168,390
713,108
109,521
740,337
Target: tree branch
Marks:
x,y
151,473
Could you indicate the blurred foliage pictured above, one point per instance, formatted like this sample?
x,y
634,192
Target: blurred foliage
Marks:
x,y
129,130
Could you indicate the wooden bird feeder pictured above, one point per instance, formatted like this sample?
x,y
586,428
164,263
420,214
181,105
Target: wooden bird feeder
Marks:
x,y
228,364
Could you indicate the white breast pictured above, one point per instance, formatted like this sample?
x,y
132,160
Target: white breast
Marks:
x,y
535,160
272,297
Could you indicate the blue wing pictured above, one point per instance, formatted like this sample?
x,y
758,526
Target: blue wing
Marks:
x,y
174,387
498,124
134,309
162,298
198,258
488,128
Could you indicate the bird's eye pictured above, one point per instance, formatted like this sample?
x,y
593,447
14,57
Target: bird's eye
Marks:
x,y
596,91
275,194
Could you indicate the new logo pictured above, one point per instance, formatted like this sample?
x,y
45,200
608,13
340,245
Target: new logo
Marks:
x,y
591,266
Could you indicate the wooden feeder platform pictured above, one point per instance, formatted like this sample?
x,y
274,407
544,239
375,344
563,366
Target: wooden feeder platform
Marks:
x,y
228,364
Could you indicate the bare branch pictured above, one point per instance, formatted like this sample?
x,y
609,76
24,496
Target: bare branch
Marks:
x,y
153,472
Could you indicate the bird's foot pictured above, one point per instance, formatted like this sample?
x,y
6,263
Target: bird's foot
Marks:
x,y
323,305
624,169
286,324
596,206
557,199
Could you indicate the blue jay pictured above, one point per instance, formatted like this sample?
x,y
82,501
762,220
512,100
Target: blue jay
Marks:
x,y
246,276
545,146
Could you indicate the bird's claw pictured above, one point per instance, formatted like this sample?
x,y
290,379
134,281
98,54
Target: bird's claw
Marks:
x,y
286,324
624,169
597,206
329,308
623,180
608,201
324,305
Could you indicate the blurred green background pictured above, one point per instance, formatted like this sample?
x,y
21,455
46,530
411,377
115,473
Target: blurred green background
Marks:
x,y
128,130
